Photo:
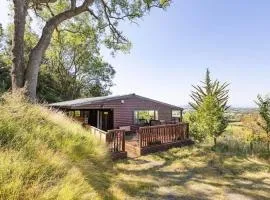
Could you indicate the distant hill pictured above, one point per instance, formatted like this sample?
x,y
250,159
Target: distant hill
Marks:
x,y
188,108
242,109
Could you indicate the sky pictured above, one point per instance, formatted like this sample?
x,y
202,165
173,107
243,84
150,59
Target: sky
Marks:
x,y
171,50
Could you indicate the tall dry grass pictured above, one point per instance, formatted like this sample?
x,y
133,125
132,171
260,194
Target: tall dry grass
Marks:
x,y
45,155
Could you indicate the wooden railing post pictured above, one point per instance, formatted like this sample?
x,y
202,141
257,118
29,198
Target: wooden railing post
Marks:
x,y
140,138
123,140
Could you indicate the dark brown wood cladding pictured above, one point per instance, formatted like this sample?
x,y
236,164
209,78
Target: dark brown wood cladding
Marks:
x,y
123,109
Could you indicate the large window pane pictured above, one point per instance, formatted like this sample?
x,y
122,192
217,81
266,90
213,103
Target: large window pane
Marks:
x,y
144,116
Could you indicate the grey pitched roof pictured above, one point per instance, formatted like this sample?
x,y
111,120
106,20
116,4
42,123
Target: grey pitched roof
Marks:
x,y
94,100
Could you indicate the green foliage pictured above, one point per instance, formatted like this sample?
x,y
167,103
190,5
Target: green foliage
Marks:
x,y
209,87
251,121
105,17
73,62
195,133
5,80
210,117
210,104
72,66
45,155
264,110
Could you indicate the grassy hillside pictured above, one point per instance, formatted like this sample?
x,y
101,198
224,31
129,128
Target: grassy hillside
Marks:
x,y
45,155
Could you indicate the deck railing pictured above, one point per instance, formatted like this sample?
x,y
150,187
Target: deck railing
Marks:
x,y
100,134
162,134
116,140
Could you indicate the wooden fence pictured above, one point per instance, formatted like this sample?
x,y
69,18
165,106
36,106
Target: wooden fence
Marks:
x,y
162,137
116,142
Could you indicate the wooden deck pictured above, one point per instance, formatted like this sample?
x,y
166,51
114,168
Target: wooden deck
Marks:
x,y
147,140
151,139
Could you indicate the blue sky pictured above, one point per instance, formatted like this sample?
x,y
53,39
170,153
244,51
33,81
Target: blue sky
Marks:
x,y
172,49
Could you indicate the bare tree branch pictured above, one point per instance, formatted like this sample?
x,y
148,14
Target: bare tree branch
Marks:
x,y
50,10
116,33
93,14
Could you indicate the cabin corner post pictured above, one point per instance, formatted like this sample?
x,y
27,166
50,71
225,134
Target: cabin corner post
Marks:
x,y
181,115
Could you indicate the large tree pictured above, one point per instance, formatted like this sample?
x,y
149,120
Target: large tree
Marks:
x,y
104,15
72,66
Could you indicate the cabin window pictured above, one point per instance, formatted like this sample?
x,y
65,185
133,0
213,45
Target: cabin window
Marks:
x,y
176,113
144,116
71,113
77,113
74,113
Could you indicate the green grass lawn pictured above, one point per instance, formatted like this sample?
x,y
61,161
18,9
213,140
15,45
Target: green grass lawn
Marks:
x,y
192,173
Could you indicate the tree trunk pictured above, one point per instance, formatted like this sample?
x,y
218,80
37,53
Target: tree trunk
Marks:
x,y
18,66
31,76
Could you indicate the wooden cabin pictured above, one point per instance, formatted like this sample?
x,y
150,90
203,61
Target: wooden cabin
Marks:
x,y
121,112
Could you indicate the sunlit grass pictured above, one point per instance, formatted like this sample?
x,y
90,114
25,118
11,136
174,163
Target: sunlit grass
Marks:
x,y
192,173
